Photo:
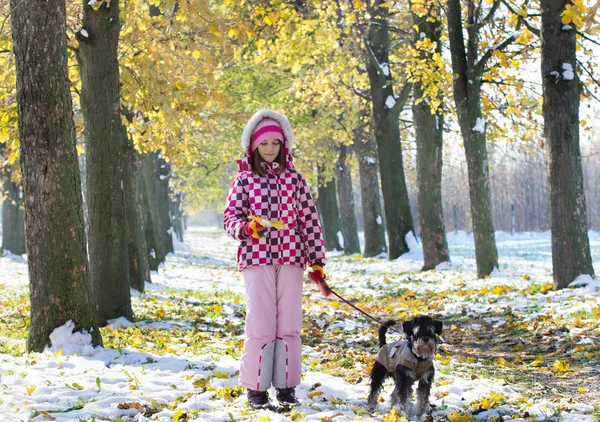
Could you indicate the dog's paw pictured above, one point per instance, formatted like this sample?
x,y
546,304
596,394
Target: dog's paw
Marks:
x,y
389,323
422,409
370,407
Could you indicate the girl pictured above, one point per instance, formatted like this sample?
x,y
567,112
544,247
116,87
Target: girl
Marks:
x,y
274,250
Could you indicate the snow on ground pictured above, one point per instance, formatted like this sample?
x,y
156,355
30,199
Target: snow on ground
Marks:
x,y
71,380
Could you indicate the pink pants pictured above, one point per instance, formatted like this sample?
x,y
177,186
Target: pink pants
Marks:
x,y
272,350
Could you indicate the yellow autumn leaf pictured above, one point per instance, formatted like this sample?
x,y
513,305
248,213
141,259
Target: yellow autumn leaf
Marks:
x,y
394,416
526,277
499,290
233,33
60,352
561,366
30,389
221,375
483,291
457,417
95,4
358,4
503,362
493,400
335,304
537,362
177,415
315,394
268,20
264,419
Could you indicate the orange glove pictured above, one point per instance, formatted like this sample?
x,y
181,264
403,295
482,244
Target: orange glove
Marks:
x,y
318,276
255,230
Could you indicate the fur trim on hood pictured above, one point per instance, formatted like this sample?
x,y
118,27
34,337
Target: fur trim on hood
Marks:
x,y
278,117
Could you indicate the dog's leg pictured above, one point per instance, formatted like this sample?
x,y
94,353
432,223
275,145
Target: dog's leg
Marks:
x,y
378,375
402,394
423,392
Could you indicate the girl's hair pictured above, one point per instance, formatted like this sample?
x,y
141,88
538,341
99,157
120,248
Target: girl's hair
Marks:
x,y
256,162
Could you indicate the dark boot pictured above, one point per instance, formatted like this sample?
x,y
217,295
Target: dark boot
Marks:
x,y
258,399
287,397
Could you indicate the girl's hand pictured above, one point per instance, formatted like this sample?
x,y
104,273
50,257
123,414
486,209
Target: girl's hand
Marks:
x,y
255,230
317,275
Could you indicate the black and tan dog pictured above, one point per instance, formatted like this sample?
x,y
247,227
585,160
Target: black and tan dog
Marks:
x,y
407,362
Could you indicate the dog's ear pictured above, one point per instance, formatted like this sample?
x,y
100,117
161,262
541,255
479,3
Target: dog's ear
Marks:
x,y
407,326
438,325
389,323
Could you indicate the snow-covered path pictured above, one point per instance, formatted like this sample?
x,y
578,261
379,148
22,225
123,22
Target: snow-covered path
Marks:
x,y
179,361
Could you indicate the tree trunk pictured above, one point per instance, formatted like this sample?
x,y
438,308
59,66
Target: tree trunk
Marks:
x,y
386,111
13,224
430,143
346,200
139,268
105,144
467,91
59,281
328,207
176,208
568,219
366,150
156,251
163,172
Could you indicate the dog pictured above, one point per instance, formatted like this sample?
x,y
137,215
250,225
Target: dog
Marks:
x,y
407,362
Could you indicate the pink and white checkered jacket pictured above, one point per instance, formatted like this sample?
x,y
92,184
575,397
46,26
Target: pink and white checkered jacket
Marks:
x,y
285,197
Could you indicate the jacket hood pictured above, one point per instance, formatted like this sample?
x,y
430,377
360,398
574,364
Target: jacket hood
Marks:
x,y
244,163
278,117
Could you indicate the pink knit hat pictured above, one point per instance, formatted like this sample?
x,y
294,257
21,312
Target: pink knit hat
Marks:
x,y
267,128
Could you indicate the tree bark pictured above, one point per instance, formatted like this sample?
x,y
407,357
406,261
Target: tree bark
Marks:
x,y
430,145
139,268
156,251
13,224
568,218
346,201
328,207
59,281
105,145
366,150
386,111
176,208
163,172
467,97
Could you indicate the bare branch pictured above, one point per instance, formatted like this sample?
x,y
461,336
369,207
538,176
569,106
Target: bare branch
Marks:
x,y
491,13
480,64
592,78
582,35
402,98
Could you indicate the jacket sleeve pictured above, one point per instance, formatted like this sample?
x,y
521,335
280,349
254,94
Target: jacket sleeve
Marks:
x,y
309,224
235,215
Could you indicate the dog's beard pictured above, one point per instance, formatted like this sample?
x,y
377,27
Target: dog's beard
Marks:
x,y
423,349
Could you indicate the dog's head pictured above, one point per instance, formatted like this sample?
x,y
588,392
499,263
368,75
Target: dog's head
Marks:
x,y
422,332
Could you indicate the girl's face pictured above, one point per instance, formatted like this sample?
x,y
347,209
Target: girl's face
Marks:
x,y
269,149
